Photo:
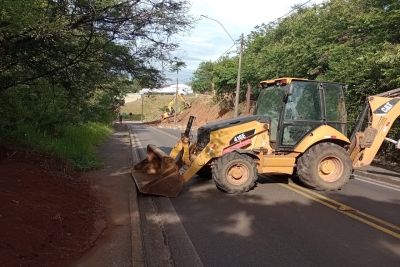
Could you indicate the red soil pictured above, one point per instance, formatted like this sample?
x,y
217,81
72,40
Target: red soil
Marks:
x,y
46,218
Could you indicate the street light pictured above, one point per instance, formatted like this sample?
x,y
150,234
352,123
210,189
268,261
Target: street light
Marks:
x,y
230,36
240,63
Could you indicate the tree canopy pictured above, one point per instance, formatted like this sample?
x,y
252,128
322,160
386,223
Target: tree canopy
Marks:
x,y
350,41
70,61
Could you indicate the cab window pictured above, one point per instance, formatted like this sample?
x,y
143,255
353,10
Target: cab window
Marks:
x,y
302,112
269,104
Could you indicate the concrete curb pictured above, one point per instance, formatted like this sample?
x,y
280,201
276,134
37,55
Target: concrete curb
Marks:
x,y
136,227
147,226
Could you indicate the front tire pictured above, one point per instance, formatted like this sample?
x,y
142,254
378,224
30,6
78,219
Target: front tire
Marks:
x,y
325,166
234,173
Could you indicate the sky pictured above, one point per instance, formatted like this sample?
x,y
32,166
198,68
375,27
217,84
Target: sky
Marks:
x,y
208,39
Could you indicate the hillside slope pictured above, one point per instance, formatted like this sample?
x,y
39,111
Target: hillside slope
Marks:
x,y
203,107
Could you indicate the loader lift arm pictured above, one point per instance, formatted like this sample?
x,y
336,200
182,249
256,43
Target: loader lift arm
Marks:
x,y
380,112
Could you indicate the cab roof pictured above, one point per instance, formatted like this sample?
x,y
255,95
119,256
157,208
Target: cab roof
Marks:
x,y
280,81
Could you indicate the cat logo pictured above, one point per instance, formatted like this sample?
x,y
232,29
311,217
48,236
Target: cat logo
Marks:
x,y
385,108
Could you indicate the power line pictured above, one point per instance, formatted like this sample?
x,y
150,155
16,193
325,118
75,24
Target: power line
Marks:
x,y
290,12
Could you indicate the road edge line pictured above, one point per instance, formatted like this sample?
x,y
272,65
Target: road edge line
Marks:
x,y
377,183
136,226
381,178
187,249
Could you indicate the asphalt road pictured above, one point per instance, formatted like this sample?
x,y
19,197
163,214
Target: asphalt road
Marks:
x,y
276,224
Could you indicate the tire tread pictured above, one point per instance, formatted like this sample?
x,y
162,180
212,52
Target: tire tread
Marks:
x,y
218,173
306,161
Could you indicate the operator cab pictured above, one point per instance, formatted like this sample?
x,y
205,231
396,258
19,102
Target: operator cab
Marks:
x,y
298,106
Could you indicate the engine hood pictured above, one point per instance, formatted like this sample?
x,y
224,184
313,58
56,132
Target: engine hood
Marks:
x,y
216,125
203,133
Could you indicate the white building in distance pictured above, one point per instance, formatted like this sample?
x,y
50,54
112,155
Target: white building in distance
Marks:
x,y
170,89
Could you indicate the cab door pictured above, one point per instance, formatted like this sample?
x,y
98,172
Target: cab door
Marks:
x,y
302,113
309,105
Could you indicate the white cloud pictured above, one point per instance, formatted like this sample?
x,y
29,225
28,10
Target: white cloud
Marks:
x,y
208,40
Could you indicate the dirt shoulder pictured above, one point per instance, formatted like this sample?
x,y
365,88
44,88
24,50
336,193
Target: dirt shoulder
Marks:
x,y
47,218
51,219
114,187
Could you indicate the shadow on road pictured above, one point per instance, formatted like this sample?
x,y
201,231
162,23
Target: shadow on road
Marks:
x,y
280,228
273,226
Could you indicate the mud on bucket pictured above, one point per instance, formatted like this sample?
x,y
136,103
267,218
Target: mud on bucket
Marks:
x,y
157,174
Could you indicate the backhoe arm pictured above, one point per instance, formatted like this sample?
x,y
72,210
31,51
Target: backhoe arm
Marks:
x,y
382,111
171,104
183,99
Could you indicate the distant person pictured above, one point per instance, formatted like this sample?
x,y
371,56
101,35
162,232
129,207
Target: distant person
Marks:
x,y
120,118
130,115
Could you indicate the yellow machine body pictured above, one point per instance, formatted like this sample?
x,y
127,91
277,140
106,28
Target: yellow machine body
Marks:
x,y
250,138
383,111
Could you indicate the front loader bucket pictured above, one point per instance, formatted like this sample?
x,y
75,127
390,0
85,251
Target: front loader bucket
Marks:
x,y
157,174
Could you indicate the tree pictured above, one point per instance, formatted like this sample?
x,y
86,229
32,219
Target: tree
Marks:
x,y
203,77
69,61
225,75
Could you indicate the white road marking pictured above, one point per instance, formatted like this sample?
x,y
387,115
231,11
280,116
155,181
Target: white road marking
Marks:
x,y
381,184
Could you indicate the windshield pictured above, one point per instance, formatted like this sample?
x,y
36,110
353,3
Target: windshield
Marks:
x,y
270,103
304,102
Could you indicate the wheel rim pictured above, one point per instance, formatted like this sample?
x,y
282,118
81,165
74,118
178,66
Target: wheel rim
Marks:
x,y
330,169
238,174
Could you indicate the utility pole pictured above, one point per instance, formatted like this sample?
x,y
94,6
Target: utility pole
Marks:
x,y
176,66
240,62
176,99
142,106
238,77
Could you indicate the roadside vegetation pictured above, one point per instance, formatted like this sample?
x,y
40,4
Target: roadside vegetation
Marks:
x,y
66,66
74,144
348,41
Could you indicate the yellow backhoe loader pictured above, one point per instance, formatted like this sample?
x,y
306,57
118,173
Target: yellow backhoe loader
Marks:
x,y
299,128
170,110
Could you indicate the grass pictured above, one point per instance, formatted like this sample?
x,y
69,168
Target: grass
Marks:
x,y
74,143
153,107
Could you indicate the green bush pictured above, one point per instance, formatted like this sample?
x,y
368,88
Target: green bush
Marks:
x,y
73,143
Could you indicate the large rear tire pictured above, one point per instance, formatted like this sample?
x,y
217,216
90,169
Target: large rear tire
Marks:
x,y
234,173
325,166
